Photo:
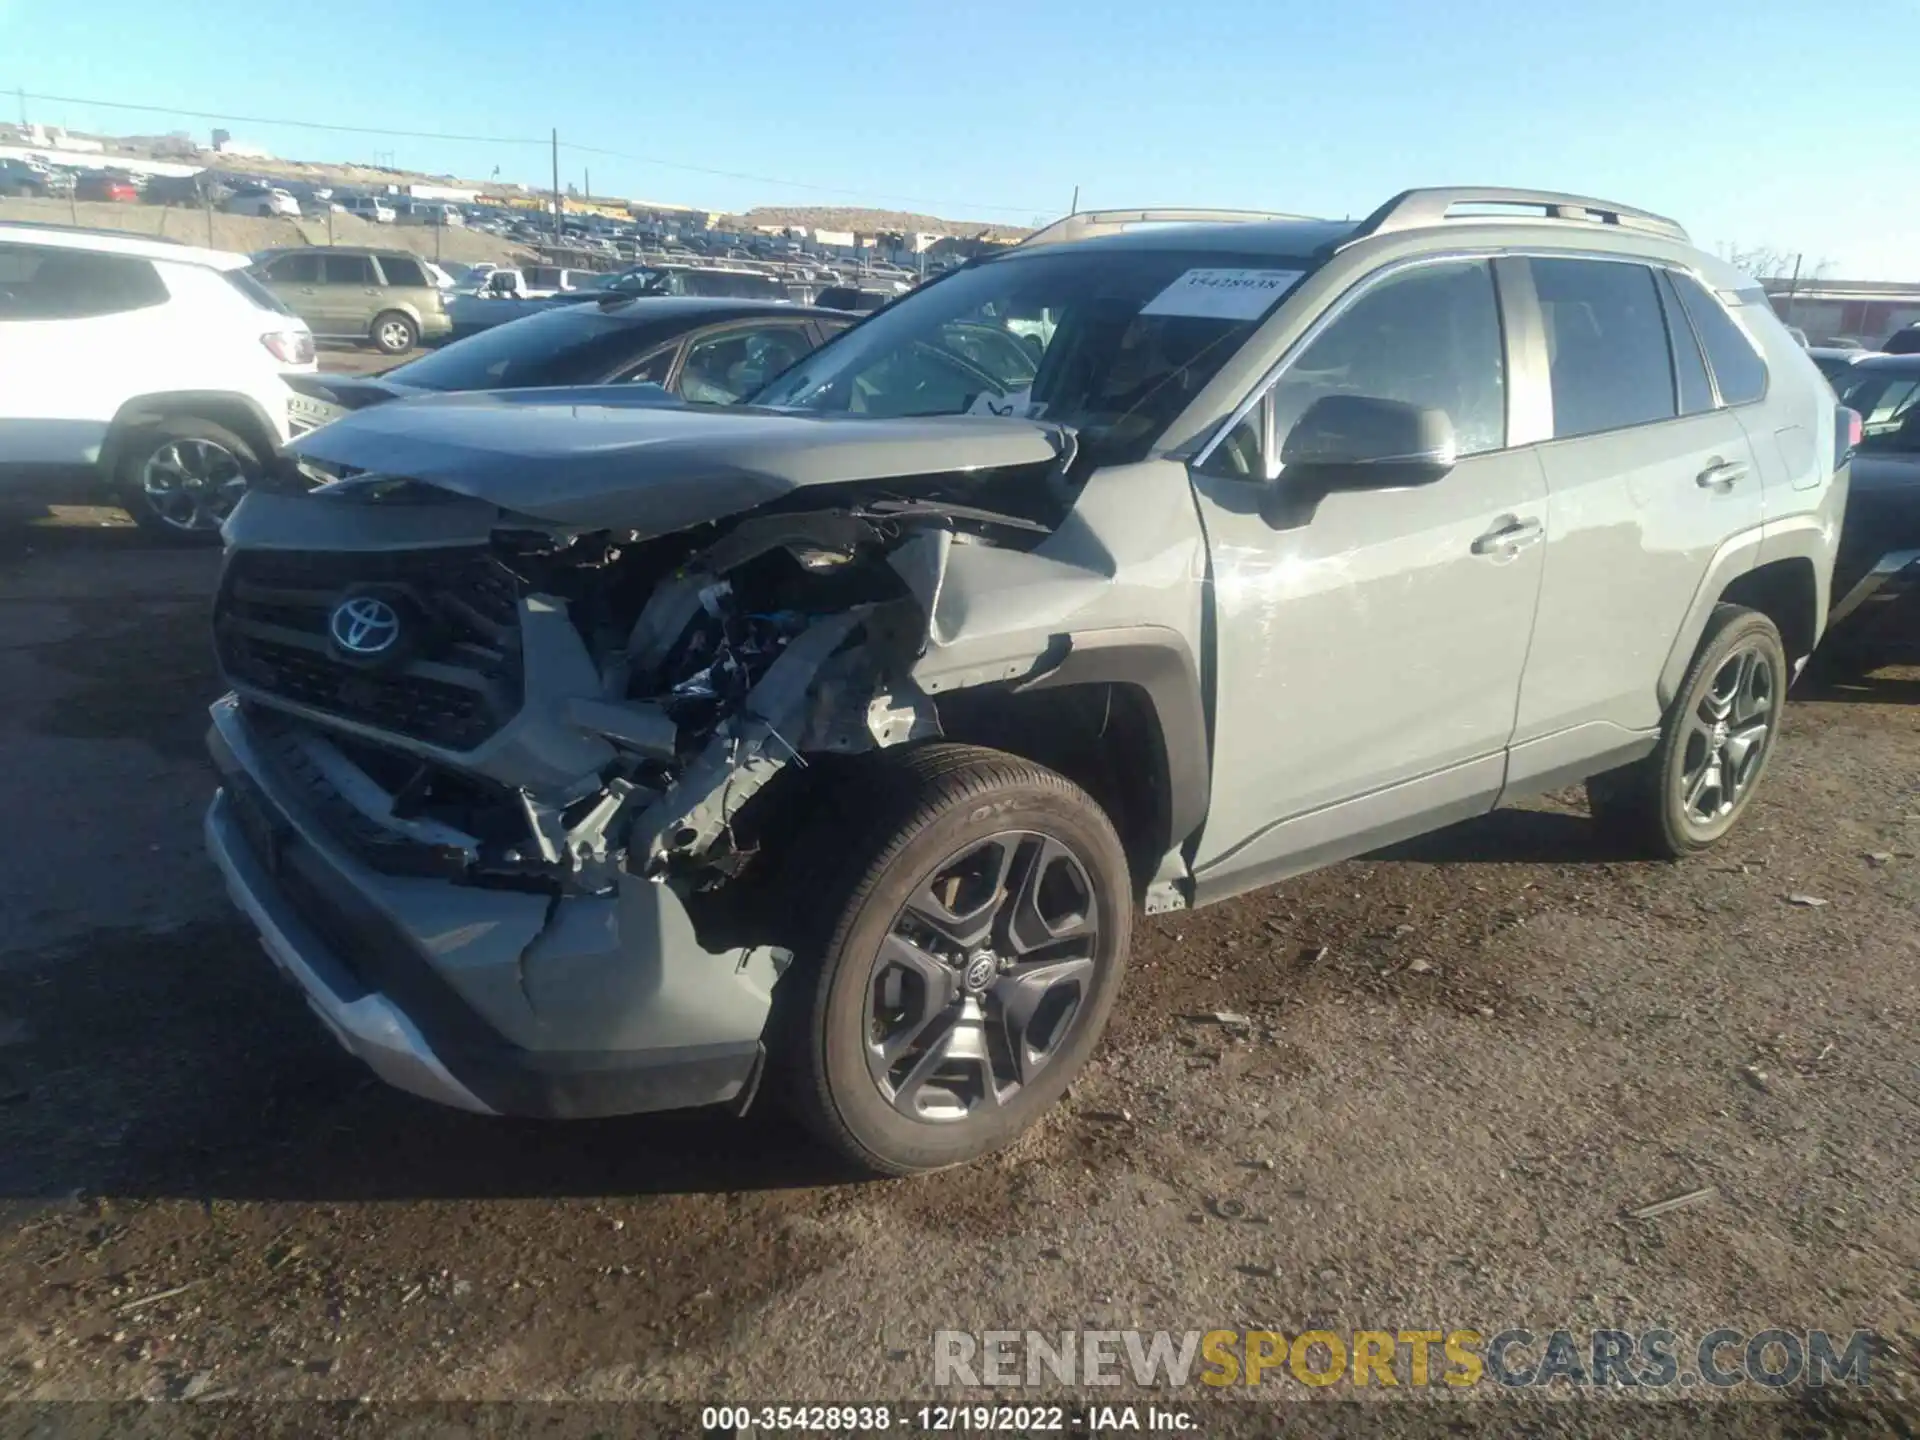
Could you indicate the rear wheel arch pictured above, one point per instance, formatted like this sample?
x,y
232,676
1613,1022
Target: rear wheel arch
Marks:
x,y
1786,591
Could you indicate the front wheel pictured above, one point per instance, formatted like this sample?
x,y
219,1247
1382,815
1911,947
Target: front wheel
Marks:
x,y
1714,748
973,950
394,333
180,478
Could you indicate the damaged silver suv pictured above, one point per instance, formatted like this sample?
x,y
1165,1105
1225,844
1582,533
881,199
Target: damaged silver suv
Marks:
x,y
590,752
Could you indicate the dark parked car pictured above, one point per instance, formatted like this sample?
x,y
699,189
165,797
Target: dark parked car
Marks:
x,y
18,177
1876,576
106,185
707,351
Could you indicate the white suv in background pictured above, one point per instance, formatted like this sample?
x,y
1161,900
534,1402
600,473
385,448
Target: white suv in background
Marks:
x,y
152,366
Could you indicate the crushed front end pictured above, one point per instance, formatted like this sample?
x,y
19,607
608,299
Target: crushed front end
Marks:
x,y
494,788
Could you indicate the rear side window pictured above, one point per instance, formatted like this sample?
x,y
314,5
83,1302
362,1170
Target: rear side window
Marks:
x,y
1606,345
403,272
49,283
1737,366
346,269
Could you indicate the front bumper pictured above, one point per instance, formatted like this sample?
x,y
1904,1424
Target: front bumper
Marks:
x,y
490,1000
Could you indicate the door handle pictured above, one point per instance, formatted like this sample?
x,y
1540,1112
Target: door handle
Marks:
x,y
1509,536
1721,476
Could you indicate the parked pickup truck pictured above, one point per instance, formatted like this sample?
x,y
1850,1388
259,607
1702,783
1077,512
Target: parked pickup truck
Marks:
x,y
509,294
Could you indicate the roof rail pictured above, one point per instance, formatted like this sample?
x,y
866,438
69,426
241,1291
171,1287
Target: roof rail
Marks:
x,y
1085,224
1416,209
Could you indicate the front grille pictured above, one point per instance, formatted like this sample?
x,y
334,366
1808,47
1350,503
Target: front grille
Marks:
x,y
460,679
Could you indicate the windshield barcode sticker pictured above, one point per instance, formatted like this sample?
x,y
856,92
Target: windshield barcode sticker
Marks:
x,y
1223,294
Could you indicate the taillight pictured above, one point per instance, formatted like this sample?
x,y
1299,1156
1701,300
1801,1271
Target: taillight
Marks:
x,y
289,347
1847,434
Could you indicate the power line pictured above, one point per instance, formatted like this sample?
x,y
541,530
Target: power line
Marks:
x,y
226,119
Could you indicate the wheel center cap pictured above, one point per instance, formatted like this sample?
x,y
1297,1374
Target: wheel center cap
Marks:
x,y
1720,733
981,968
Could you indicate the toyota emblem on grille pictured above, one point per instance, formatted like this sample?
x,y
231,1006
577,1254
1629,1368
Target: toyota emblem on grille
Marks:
x,y
364,626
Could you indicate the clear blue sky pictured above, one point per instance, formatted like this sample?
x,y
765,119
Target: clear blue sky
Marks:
x,y
1766,122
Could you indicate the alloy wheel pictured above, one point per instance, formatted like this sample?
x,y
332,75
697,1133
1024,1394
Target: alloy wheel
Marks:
x,y
982,976
1727,736
395,336
192,484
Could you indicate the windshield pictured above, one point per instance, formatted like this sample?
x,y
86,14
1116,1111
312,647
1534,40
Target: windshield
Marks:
x,y
1111,342
577,344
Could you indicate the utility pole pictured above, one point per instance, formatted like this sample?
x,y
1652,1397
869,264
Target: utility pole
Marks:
x,y
556,186
21,91
586,185
1075,209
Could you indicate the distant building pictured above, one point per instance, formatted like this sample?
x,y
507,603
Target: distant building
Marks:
x,y
1841,310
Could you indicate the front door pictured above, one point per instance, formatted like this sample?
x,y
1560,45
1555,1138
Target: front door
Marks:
x,y
1367,657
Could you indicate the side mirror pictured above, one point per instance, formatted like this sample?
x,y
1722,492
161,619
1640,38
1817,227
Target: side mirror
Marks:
x,y
1358,442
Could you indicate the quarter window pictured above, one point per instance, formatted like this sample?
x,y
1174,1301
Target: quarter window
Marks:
x,y
1737,366
1606,345
1428,337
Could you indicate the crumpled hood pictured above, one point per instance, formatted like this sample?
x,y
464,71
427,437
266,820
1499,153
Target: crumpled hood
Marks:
x,y
622,458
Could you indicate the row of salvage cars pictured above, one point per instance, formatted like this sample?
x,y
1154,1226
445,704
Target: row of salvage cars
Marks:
x,y
594,750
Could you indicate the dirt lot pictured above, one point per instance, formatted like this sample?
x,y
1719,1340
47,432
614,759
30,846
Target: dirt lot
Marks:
x,y
1461,1062
247,234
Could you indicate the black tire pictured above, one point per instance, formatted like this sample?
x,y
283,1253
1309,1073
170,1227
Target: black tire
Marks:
x,y
193,520
1644,807
393,333
917,812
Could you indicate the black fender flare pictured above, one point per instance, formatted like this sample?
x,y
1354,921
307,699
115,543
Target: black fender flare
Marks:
x,y
1159,663
210,405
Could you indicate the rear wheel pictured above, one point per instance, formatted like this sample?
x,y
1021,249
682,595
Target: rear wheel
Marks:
x,y
394,333
972,951
1714,747
180,478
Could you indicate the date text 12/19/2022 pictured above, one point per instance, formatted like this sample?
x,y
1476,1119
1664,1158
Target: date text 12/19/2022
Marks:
x,y
756,1420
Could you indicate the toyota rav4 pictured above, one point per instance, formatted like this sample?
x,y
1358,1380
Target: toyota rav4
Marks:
x,y
590,752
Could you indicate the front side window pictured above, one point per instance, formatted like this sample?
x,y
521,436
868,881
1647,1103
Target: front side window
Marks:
x,y
1112,342
49,283
1429,336
720,368
1607,349
1737,366
294,270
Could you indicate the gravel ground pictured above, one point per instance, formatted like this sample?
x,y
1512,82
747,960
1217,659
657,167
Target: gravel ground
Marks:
x,y
1446,1073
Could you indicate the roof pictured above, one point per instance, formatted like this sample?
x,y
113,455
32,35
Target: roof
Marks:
x,y
112,242
1252,237
1806,289
379,252
694,307
1888,364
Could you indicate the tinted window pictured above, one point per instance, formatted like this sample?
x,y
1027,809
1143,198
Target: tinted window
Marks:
x,y
1606,345
1885,402
402,272
722,367
1428,337
346,270
1127,339
255,292
1737,366
653,370
295,269
573,345
56,284
1690,371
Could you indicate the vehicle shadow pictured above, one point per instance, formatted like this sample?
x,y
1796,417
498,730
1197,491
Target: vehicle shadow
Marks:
x,y
1878,687
180,1065
1513,837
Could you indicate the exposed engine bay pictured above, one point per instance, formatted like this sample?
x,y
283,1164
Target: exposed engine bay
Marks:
x,y
654,684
